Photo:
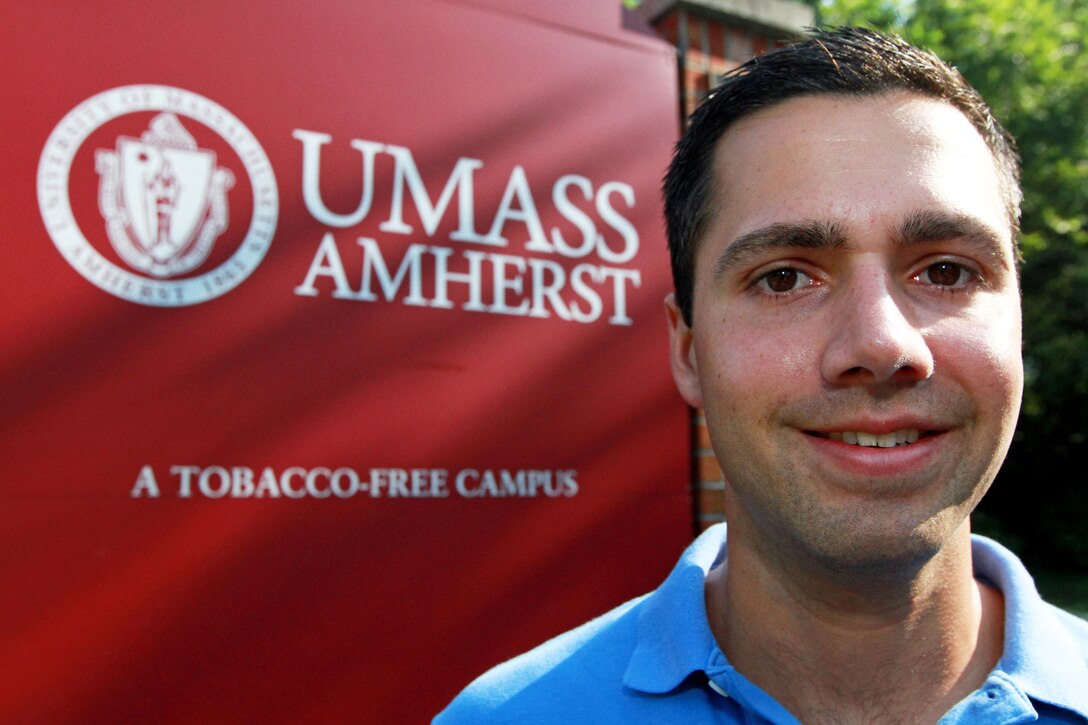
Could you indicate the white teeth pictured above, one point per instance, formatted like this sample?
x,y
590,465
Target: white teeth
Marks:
x,y
866,439
875,440
906,436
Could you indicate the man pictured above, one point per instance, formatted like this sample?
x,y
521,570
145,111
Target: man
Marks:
x,y
842,218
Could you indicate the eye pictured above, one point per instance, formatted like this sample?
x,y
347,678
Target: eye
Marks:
x,y
947,274
784,280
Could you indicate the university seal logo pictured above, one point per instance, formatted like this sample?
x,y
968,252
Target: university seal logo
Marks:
x,y
165,200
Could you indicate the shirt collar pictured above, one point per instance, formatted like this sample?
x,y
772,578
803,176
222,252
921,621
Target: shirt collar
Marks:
x,y
1041,656
674,637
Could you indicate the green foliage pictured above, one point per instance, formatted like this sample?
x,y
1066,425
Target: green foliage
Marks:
x,y
1028,59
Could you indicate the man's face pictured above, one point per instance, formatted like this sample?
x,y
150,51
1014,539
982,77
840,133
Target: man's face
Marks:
x,y
856,327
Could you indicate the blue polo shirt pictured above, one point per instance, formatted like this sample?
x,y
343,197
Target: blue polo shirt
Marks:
x,y
655,660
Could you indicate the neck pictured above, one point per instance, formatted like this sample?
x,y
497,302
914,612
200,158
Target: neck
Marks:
x,y
848,646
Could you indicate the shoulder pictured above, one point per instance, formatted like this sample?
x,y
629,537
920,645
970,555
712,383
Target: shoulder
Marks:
x,y
582,666
633,664
1075,626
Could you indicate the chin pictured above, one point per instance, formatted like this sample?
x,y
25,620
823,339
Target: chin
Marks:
x,y
884,547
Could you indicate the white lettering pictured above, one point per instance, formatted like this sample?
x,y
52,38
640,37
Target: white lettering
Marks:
x,y
619,292
267,485
146,485
613,219
311,482
517,188
471,483
460,181
587,293
569,482
502,284
443,276
495,283
311,178
241,482
409,264
204,482
285,482
543,291
579,218
338,476
185,485
461,482
326,264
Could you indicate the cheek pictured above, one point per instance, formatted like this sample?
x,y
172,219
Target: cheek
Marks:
x,y
750,367
985,356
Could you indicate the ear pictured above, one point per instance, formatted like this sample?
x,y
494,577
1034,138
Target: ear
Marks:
x,y
685,370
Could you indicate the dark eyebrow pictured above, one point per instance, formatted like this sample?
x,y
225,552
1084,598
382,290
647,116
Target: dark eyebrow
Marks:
x,y
784,235
934,226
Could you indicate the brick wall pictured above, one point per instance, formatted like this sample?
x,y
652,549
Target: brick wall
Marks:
x,y
711,47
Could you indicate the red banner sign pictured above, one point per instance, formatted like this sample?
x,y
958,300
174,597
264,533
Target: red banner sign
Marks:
x,y
335,364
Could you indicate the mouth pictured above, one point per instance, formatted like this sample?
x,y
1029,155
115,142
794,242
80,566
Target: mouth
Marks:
x,y
903,437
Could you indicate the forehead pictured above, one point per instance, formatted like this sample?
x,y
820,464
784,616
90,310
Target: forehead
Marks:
x,y
859,162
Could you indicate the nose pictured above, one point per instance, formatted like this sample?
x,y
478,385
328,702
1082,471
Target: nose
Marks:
x,y
873,339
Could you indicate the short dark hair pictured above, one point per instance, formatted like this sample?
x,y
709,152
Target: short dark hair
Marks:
x,y
852,62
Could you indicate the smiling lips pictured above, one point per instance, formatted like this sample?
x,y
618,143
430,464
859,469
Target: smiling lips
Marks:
x,y
893,452
902,437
